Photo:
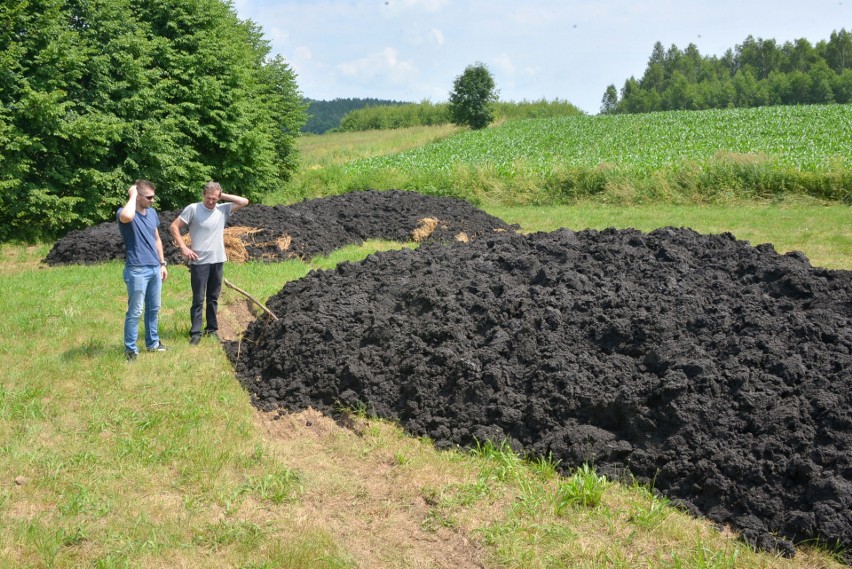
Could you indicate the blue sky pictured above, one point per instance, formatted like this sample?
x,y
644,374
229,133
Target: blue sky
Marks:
x,y
412,50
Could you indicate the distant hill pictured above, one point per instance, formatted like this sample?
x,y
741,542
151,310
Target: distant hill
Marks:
x,y
325,115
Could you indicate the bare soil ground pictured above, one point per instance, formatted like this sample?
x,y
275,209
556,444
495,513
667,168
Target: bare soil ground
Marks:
x,y
374,508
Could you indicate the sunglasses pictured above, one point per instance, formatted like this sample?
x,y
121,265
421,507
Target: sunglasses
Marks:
x,y
149,198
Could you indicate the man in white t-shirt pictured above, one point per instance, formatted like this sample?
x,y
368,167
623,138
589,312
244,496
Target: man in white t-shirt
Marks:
x,y
206,222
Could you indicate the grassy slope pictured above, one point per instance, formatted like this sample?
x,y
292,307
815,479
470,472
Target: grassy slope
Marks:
x,y
166,464
710,157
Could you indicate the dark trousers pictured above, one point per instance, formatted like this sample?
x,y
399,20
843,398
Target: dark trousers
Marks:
x,y
206,285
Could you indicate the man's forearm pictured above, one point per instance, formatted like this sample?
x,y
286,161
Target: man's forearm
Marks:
x,y
238,201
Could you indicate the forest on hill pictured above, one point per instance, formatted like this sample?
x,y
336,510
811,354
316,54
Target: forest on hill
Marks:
x,y
326,115
758,72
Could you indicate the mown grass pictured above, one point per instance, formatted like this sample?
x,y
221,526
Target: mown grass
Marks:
x,y
338,148
165,463
113,465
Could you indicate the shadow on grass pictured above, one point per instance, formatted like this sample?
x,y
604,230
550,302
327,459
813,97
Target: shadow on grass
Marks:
x,y
89,350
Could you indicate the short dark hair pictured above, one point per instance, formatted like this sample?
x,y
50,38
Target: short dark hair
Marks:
x,y
145,184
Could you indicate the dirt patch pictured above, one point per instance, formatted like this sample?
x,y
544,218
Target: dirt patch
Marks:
x,y
347,472
235,316
304,230
718,371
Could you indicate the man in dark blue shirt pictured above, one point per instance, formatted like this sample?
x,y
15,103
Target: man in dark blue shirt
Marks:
x,y
144,269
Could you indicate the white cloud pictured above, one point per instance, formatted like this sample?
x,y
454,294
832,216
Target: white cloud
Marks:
x,y
504,63
424,5
437,36
303,52
385,63
301,60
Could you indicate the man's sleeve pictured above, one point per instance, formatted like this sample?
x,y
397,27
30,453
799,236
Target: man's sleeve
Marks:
x,y
187,214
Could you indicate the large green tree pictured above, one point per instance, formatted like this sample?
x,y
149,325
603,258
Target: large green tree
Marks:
x,y
472,98
96,93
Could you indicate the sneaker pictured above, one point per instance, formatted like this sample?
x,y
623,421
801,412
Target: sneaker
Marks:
x,y
212,334
130,355
158,348
194,340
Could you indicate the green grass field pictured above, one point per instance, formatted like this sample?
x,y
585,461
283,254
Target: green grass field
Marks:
x,y
706,157
165,463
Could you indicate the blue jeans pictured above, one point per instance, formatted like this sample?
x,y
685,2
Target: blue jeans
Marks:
x,y
144,286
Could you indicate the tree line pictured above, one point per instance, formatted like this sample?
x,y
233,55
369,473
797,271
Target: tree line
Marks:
x,y
324,116
96,94
473,102
758,72
426,113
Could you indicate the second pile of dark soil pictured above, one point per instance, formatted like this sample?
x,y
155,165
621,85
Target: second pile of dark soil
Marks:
x,y
719,372
306,229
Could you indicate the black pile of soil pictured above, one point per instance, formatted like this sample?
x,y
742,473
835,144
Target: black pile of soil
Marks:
x,y
719,372
307,229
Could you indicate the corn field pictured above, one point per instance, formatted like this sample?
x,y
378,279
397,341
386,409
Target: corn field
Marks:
x,y
814,138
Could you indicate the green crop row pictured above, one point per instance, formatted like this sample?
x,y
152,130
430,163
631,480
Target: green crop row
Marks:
x,y
674,156
811,138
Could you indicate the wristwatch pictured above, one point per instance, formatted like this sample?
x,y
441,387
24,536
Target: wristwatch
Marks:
x,y
163,264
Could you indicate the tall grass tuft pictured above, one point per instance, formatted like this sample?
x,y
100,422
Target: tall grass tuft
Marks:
x,y
584,488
